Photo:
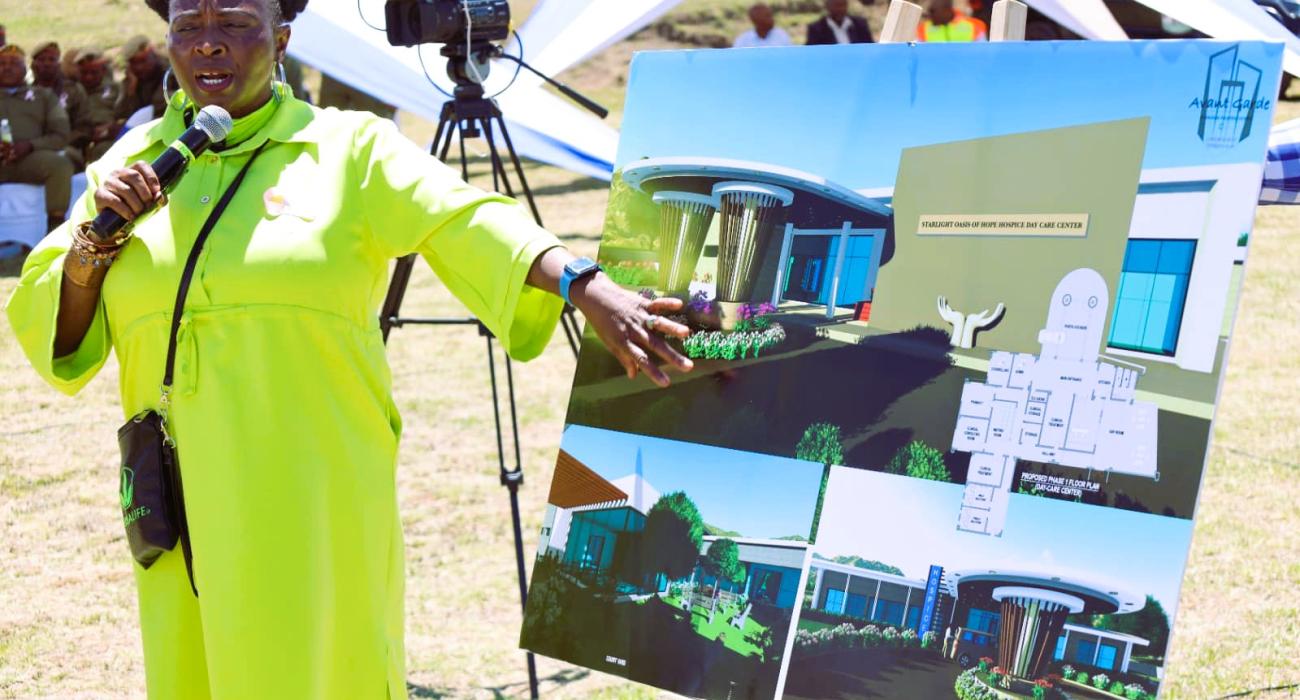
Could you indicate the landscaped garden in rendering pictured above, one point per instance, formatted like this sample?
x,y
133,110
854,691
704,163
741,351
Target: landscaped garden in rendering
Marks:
x,y
988,682
662,613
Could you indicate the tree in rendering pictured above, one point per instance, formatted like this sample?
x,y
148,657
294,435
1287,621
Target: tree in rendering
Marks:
x,y
722,562
1150,623
821,444
919,461
673,535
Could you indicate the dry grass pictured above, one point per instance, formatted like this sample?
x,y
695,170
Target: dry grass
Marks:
x,y
1239,622
67,605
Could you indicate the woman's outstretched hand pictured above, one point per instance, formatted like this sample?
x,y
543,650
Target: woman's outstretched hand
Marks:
x,y
632,327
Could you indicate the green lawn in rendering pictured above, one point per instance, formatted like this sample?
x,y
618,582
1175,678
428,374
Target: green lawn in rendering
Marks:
x,y
813,625
737,640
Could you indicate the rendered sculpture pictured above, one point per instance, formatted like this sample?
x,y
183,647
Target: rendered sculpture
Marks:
x,y
965,325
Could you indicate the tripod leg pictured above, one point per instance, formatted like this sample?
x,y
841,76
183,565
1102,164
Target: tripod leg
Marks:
x,y
443,142
498,166
499,178
391,310
569,322
444,124
464,157
512,479
514,158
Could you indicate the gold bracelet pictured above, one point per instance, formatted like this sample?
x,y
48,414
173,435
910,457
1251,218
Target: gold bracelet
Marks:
x,y
82,234
90,258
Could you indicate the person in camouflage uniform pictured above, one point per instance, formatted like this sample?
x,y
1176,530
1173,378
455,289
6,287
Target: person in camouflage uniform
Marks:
x,y
102,94
39,130
143,84
47,72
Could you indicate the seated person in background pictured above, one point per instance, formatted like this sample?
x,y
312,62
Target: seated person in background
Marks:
x,y
69,63
143,84
946,24
2,35
838,26
39,128
102,93
765,31
47,72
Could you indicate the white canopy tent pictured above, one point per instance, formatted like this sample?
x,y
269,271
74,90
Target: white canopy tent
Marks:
x,y
1089,19
562,33
1240,20
542,125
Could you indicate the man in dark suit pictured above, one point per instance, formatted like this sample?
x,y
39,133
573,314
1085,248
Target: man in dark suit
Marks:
x,y
838,26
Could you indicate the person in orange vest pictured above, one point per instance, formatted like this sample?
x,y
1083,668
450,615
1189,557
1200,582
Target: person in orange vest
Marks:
x,y
945,23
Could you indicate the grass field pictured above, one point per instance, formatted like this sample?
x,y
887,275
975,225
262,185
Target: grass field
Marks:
x,y
67,604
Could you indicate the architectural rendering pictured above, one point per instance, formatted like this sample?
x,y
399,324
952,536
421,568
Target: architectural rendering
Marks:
x,y
980,321
635,554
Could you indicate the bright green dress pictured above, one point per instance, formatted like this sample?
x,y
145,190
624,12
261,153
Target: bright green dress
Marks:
x,y
282,408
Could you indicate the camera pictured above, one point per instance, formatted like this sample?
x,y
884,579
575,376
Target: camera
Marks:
x,y
412,22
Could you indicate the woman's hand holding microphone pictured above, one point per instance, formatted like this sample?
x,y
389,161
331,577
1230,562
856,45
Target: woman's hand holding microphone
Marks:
x,y
130,192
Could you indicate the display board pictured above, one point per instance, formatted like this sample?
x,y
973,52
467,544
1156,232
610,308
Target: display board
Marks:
x,y
960,316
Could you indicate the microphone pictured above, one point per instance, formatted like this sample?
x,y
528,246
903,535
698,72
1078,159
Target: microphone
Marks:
x,y
212,125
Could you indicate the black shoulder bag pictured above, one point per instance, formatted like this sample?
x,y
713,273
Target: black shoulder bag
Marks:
x,y
153,501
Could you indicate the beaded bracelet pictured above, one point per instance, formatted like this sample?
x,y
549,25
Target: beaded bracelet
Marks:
x,y
94,256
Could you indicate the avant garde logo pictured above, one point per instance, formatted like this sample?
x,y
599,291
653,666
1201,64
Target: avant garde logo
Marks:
x,y
1229,100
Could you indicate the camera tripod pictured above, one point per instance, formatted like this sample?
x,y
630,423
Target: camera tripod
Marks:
x,y
470,114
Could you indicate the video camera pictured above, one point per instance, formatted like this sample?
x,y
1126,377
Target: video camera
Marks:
x,y
456,23
466,29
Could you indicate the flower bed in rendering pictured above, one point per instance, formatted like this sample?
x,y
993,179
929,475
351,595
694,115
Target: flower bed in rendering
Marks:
x,y
986,682
753,331
846,636
1105,684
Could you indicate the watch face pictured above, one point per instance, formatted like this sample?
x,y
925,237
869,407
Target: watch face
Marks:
x,y
581,266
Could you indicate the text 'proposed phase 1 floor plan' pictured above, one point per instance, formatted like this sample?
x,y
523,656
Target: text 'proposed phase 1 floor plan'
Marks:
x,y
1065,406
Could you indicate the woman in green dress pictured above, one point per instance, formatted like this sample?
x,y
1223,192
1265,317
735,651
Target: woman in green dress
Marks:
x,y
281,408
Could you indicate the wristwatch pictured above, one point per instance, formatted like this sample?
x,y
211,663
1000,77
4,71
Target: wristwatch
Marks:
x,y
573,271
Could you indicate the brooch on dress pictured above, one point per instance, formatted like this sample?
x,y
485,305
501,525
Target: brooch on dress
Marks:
x,y
278,204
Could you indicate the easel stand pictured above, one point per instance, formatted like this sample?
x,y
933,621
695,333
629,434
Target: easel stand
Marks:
x,y
470,114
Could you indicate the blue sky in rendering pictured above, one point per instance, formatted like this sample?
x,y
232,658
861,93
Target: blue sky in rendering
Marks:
x,y
755,495
912,523
846,112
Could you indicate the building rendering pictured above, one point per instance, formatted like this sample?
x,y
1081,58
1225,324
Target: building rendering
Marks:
x,y
772,570
780,234
588,518
586,514
1016,617
1163,240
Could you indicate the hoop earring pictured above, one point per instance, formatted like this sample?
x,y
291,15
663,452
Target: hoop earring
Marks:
x,y
279,66
167,78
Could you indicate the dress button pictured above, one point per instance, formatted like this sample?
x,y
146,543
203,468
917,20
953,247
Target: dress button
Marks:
x,y
205,199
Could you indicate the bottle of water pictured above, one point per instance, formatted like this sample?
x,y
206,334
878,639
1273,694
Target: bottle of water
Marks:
x,y
6,134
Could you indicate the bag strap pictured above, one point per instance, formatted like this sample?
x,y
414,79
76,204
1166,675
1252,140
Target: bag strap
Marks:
x,y
188,274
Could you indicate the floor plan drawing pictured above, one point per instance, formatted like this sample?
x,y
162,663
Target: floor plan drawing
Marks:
x,y
1066,406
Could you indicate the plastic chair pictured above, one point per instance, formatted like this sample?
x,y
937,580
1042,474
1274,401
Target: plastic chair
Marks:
x,y
22,214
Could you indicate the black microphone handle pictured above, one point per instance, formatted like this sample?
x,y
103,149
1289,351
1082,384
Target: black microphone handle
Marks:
x,y
168,166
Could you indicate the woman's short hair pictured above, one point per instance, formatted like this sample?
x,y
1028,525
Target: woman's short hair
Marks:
x,y
282,10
